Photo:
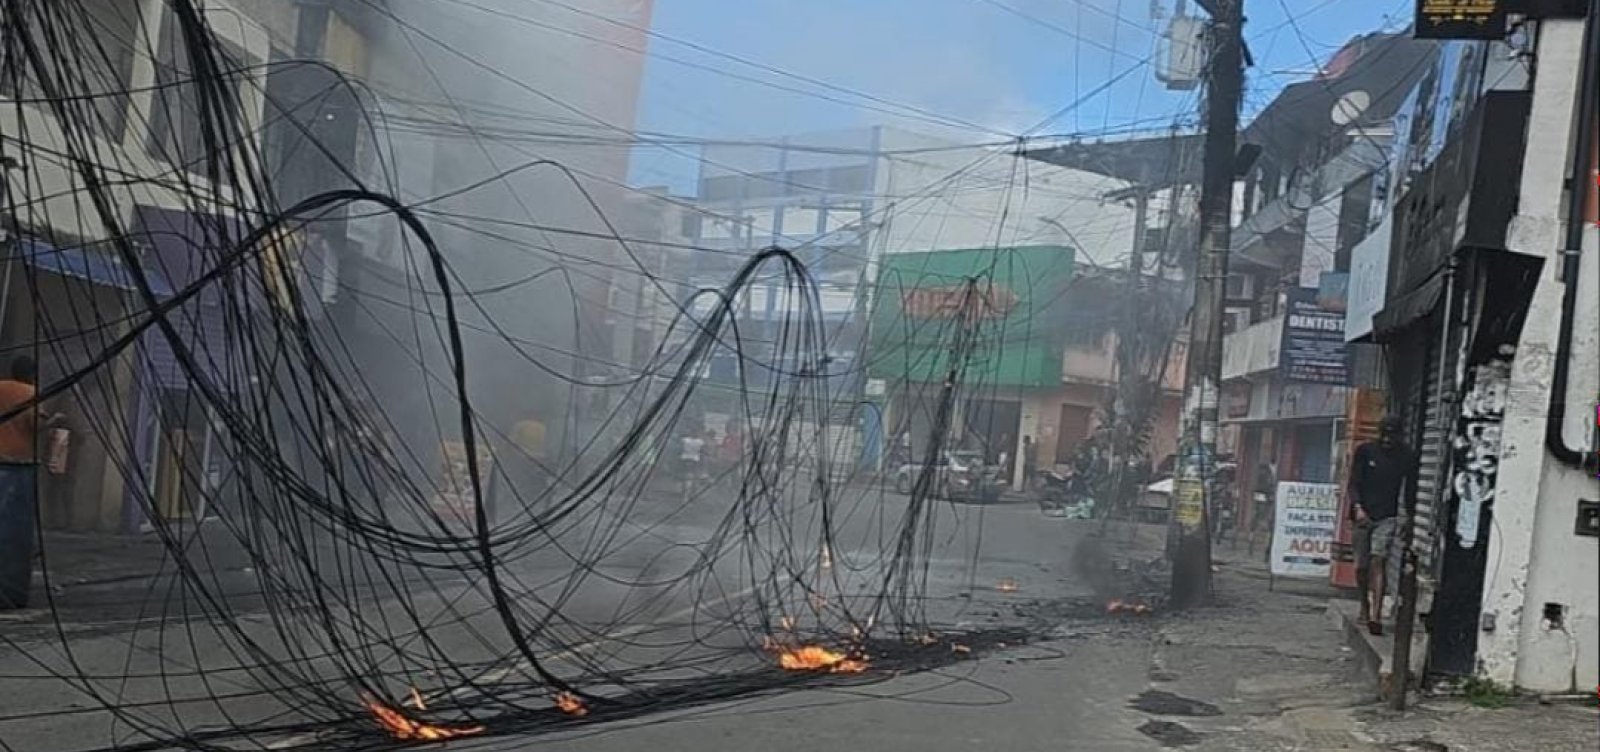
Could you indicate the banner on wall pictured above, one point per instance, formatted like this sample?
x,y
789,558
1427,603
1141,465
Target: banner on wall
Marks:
x,y
1303,529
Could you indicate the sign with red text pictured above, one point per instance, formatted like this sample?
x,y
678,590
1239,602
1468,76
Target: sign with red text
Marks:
x,y
1304,528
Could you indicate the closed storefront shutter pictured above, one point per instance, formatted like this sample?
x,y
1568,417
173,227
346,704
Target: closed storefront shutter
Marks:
x,y
1425,416
1430,450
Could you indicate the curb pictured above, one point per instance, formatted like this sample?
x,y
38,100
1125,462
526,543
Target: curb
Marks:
x,y
1374,654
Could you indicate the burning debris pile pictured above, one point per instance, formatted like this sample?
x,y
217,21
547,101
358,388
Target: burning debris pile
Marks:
x,y
816,658
1134,607
570,704
402,727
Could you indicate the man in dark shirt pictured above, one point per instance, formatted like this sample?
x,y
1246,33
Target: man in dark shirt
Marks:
x,y
1378,473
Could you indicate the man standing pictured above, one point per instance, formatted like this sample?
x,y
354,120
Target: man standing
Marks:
x,y
690,456
19,439
1378,472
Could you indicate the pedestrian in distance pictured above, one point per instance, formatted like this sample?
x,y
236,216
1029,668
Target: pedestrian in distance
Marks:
x,y
1378,473
20,436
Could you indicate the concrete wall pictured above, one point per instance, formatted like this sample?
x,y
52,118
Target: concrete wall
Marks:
x,y
979,197
1534,557
1253,349
51,182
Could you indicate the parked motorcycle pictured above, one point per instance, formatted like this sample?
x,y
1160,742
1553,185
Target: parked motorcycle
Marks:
x,y
1064,495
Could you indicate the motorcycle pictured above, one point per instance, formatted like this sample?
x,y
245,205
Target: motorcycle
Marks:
x,y
1064,495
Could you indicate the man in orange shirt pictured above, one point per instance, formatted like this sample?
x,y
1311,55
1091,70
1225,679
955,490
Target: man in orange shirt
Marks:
x,y
19,438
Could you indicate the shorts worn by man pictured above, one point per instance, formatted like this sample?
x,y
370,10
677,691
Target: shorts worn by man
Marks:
x,y
1378,473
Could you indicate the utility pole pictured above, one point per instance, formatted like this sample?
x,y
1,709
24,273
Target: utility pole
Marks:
x,y
1193,483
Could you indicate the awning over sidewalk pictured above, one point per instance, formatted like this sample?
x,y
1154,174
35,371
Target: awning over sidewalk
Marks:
x,y
1407,309
97,267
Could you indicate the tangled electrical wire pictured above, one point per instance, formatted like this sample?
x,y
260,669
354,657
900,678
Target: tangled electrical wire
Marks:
x,y
325,583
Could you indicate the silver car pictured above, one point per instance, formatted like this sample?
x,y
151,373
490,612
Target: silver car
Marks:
x,y
961,475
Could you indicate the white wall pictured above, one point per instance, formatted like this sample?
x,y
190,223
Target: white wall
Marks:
x,y
979,197
1534,557
51,183
1369,280
1253,349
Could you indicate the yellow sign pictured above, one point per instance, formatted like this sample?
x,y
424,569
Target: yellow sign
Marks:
x,y
1189,503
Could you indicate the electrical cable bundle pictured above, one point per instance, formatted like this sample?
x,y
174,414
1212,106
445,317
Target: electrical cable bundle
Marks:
x,y
324,583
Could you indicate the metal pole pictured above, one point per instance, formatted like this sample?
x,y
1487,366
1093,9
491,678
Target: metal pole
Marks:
x,y
1191,554
1405,607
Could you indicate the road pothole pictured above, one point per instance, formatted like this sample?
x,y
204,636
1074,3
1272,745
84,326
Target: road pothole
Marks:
x,y
1170,734
1158,702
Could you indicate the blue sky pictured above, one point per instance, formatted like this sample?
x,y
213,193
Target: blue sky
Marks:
x,y
996,67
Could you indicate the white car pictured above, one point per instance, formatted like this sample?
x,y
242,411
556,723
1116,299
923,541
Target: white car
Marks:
x,y
961,475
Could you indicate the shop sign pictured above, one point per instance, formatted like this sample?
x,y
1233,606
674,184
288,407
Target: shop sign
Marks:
x,y
1368,281
1313,349
1188,503
1307,515
1461,19
991,301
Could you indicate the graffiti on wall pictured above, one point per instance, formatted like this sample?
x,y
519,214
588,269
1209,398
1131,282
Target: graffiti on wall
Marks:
x,y
1477,442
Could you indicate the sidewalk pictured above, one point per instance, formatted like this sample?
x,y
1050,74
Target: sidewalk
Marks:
x,y
1277,665
99,578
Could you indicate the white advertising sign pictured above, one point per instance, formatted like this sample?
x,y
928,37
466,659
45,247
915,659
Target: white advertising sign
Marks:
x,y
1303,529
1369,280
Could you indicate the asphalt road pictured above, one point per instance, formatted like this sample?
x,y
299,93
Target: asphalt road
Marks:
x,y
631,604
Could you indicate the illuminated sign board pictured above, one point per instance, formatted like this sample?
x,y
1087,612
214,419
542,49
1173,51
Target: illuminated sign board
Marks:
x,y
1461,19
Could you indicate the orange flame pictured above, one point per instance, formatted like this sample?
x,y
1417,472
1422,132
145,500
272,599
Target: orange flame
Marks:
x,y
571,705
407,729
959,648
818,658
1008,585
1119,606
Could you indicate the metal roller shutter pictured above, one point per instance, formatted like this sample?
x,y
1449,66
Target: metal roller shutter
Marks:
x,y
1431,447
1428,405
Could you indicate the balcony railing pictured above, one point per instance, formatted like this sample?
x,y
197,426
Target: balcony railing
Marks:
x,y
1253,349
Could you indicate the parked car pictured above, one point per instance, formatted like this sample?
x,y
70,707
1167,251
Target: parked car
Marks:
x,y
960,475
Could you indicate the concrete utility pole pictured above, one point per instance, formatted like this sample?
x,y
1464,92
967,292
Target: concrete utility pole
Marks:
x,y
1196,467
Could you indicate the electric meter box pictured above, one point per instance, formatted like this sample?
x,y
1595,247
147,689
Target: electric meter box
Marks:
x,y
1181,53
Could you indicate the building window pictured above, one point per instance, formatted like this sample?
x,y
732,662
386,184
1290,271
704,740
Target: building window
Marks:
x,y
91,61
176,134
801,221
842,218
718,228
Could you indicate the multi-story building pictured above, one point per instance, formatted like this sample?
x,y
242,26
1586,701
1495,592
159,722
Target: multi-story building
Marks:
x,y
846,202
1484,295
468,114
121,104
1321,146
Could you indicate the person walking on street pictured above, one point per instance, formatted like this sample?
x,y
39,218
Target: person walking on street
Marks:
x,y
1030,462
1263,497
1378,473
691,454
19,466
